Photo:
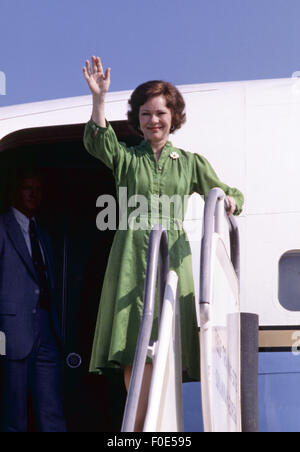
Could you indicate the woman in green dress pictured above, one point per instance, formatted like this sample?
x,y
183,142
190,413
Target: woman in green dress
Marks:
x,y
152,171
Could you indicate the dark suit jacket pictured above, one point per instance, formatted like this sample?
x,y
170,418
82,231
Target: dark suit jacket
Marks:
x,y
19,288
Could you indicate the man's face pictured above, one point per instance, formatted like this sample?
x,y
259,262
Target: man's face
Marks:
x,y
29,196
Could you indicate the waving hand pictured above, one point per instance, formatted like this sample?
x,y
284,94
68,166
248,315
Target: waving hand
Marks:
x,y
97,80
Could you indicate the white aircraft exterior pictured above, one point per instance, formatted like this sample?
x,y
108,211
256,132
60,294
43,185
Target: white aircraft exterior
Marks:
x,y
249,132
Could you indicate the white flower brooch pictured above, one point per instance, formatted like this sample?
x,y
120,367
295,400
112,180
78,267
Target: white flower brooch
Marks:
x,y
174,155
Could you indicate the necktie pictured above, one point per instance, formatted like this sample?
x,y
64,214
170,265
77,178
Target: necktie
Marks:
x,y
40,268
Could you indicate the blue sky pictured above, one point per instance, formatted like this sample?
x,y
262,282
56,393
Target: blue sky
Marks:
x,y
43,44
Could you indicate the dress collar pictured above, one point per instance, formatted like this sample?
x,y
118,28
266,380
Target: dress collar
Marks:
x,y
165,150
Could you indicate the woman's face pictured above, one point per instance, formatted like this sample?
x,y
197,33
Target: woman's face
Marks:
x,y
155,120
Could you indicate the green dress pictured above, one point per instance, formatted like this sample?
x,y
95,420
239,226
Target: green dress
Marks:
x,y
121,305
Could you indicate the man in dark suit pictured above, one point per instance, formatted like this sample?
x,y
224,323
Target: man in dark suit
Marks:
x,y
28,317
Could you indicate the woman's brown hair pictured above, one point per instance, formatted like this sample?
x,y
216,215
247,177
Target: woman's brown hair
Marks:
x,y
153,88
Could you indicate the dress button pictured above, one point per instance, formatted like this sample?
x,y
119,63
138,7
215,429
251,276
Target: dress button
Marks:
x,y
34,311
37,292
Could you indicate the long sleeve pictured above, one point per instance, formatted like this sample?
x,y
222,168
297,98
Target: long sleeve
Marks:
x,y
204,179
103,144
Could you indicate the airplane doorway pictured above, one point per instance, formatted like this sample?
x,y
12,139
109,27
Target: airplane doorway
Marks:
x,y
72,181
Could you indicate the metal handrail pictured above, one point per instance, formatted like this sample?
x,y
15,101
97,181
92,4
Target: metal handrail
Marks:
x,y
158,256
211,223
158,253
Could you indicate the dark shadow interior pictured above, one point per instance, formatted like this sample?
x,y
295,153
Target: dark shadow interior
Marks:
x,y
73,180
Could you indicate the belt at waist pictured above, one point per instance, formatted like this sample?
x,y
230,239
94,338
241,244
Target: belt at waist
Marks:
x,y
149,221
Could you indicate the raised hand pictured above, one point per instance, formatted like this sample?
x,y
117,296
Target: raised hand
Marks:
x,y
97,80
